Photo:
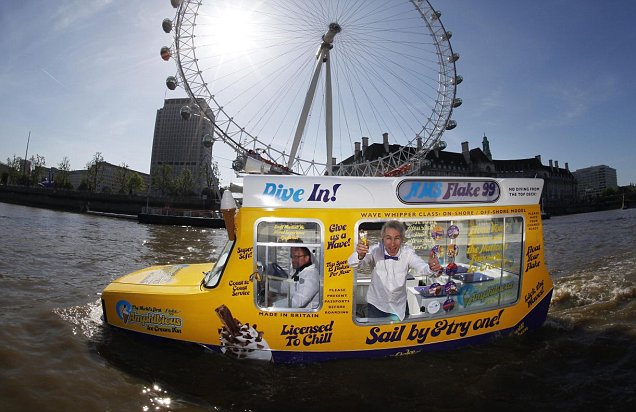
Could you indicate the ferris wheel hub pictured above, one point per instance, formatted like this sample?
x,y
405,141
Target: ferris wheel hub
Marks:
x,y
334,28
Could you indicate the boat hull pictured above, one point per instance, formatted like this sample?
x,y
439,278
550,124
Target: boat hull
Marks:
x,y
532,321
170,302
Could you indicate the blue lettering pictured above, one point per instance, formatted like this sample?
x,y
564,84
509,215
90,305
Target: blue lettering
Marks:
x,y
270,189
286,194
283,193
412,193
298,195
421,190
435,190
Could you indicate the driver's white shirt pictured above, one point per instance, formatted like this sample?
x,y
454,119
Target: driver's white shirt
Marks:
x,y
305,290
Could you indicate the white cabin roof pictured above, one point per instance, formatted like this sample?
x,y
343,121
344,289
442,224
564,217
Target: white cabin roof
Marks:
x,y
386,192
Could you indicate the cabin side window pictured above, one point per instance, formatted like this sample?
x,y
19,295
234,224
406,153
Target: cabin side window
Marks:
x,y
211,278
289,260
481,265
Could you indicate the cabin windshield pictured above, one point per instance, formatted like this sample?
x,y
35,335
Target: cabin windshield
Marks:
x,y
212,277
481,260
289,260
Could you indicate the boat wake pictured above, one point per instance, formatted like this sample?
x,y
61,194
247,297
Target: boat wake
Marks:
x,y
85,319
600,295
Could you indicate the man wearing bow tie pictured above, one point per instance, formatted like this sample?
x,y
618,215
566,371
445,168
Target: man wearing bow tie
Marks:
x,y
390,262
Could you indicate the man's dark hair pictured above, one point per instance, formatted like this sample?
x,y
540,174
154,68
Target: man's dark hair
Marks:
x,y
303,248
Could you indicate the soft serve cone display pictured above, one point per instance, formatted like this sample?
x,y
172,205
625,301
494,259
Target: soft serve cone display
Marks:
x,y
240,340
228,209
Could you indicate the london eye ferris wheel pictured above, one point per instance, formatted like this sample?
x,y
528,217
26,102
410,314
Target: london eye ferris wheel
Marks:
x,y
300,84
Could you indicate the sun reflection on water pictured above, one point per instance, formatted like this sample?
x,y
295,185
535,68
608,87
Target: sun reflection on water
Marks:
x,y
157,397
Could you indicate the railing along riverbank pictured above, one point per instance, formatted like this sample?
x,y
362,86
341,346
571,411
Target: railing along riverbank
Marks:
x,y
81,202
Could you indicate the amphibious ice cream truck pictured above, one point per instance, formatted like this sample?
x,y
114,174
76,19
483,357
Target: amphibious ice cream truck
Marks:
x,y
486,234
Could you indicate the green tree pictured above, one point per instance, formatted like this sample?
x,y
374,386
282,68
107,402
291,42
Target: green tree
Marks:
x,y
135,184
162,180
185,183
122,176
610,191
83,186
95,172
37,169
211,173
18,174
62,176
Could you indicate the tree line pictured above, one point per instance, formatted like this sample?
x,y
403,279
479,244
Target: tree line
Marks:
x,y
165,183
32,172
125,181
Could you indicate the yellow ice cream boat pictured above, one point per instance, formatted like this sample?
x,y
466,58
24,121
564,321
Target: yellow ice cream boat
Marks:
x,y
487,234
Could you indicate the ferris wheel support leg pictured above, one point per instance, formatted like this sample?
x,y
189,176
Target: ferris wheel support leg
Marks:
x,y
305,113
328,114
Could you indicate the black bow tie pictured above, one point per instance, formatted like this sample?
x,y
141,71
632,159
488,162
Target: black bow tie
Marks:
x,y
296,274
390,257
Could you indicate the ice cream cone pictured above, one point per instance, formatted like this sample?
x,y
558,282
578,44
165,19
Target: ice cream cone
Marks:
x,y
228,218
228,209
363,237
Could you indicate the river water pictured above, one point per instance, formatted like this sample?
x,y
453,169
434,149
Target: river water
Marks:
x,y
56,356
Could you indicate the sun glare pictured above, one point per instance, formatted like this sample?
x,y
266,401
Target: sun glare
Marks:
x,y
233,30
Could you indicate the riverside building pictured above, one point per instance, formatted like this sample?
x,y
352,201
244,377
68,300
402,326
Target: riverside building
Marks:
x,y
181,145
594,180
560,185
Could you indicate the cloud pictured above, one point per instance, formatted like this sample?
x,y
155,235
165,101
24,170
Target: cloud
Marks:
x,y
580,96
78,10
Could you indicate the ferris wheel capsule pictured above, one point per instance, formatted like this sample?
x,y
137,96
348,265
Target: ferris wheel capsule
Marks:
x,y
186,112
208,141
175,3
446,36
457,102
451,124
453,58
457,80
171,82
166,24
166,53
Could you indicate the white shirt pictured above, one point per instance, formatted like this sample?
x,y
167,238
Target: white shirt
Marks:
x,y
305,289
387,291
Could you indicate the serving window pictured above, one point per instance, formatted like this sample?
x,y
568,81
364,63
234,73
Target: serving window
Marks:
x,y
481,261
289,260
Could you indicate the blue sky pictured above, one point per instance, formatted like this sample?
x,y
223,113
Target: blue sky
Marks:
x,y
549,78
